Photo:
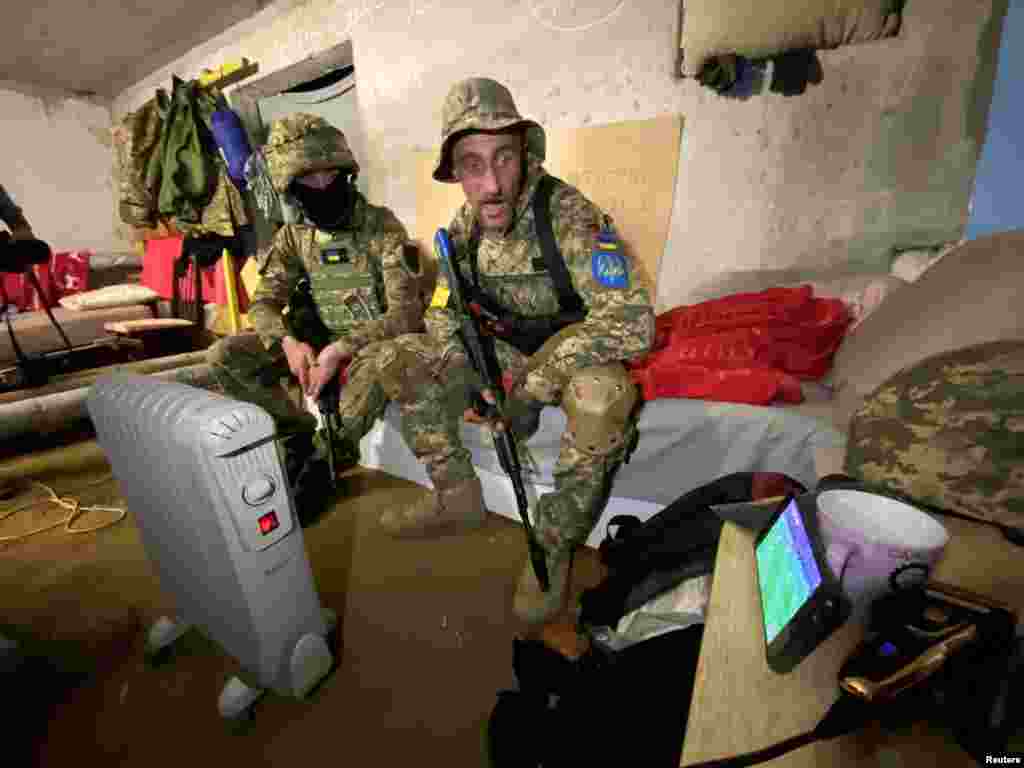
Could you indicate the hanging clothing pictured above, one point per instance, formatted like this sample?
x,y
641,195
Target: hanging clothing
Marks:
x,y
137,138
182,171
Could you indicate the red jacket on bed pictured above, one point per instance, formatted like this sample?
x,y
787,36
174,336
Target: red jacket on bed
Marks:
x,y
745,348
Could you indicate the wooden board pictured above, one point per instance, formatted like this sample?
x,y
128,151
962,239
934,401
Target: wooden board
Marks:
x,y
628,168
740,705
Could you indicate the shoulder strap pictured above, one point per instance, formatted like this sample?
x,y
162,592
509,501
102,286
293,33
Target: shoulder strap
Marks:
x,y
568,299
372,228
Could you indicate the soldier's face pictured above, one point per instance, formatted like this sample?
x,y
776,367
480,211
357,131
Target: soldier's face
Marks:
x,y
318,179
490,169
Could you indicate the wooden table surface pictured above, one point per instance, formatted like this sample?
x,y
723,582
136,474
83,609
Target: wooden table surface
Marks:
x,y
740,705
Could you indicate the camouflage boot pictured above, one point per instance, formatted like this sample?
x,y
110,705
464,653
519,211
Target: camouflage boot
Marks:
x,y
532,604
454,509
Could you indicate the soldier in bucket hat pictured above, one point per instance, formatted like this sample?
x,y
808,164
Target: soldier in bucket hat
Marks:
x,y
362,278
497,156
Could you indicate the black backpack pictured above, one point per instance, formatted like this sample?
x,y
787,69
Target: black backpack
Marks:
x,y
599,709
645,559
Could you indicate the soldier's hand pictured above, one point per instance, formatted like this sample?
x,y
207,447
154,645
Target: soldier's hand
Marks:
x,y
301,359
473,415
330,359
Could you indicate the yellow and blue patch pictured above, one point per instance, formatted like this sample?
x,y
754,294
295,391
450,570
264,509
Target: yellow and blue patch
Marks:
x,y
607,261
335,255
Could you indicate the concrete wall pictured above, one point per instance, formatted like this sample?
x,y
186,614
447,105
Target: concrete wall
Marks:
x,y
56,161
880,155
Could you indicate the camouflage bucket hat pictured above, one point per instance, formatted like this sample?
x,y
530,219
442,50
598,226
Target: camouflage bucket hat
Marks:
x,y
480,104
303,143
948,432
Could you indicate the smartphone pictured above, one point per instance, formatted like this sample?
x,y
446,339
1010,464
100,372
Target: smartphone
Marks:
x,y
802,602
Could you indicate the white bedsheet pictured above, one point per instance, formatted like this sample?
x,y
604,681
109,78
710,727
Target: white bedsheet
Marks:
x,y
683,444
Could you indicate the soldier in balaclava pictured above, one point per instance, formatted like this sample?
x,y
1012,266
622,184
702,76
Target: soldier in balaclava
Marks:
x,y
353,260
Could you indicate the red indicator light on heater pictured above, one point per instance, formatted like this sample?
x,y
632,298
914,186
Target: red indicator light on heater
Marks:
x,y
268,522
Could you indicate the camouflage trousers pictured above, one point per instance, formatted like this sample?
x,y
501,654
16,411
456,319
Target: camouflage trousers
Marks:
x,y
433,394
248,371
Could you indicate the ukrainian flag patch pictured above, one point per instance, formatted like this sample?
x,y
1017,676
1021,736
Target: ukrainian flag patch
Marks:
x,y
607,261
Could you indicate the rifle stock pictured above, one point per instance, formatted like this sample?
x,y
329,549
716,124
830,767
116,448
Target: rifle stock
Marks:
x,y
504,442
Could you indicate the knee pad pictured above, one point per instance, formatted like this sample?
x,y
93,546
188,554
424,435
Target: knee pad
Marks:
x,y
598,403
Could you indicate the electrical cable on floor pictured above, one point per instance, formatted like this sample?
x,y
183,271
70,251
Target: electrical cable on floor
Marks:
x,y
70,503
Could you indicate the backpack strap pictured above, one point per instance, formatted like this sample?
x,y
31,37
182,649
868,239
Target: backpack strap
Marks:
x,y
568,298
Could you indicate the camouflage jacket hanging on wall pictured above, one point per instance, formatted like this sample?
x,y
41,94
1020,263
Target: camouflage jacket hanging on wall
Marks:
x,y
136,137
169,165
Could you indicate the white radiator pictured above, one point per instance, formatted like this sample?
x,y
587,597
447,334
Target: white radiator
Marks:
x,y
204,478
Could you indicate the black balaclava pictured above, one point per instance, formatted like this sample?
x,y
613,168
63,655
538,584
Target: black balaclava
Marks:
x,y
331,207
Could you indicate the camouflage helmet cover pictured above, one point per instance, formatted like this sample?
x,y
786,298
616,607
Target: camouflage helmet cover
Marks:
x,y
302,143
480,104
948,432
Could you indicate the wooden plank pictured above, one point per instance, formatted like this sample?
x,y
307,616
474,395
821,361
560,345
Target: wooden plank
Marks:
x,y
740,705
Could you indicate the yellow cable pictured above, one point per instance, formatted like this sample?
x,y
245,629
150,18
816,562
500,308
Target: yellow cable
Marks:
x,y
67,502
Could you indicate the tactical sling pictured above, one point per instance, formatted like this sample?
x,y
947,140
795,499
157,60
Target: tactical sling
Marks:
x,y
528,333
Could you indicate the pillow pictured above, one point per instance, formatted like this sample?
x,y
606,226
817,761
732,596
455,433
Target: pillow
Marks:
x,y
122,295
758,29
970,296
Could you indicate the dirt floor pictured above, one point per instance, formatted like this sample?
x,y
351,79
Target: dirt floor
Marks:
x,y
424,646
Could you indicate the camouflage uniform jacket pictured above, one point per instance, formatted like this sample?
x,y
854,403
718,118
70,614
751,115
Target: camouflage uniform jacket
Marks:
x,y
140,139
620,321
375,241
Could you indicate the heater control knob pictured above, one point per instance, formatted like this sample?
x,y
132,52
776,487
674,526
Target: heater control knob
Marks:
x,y
258,490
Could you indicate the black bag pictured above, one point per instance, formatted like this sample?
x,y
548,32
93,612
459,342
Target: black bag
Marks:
x,y
602,709
645,559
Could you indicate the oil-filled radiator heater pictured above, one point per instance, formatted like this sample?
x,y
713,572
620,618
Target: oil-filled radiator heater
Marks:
x,y
203,476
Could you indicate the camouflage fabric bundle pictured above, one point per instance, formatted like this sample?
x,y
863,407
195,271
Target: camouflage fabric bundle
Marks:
x,y
948,432
167,166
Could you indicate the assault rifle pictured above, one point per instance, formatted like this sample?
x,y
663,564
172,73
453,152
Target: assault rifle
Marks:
x,y
527,334
486,366
304,323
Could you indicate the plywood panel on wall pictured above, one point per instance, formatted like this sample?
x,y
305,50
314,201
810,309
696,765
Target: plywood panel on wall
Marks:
x,y
627,168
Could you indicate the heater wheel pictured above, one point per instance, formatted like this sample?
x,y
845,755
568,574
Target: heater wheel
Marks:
x,y
236,702
161,638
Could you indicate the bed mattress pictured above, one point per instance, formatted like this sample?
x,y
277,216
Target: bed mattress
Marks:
x,y
683,444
